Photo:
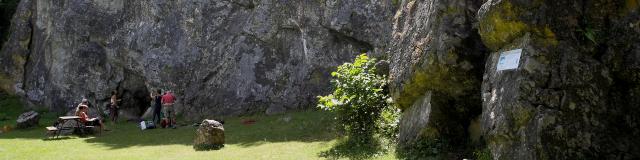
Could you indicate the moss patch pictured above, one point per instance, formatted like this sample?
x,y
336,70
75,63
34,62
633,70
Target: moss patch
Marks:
x,y
500,26
435,77
631,5
522,117
545,36
5,83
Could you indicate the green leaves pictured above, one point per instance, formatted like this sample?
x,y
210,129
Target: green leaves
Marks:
x,y
358,98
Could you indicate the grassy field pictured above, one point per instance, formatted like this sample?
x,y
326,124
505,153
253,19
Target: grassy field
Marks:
x,y
300,135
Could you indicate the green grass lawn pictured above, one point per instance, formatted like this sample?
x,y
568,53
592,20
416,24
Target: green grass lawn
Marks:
x,y
300,135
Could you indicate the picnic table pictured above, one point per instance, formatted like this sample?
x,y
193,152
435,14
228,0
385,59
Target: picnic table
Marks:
x,y
55,131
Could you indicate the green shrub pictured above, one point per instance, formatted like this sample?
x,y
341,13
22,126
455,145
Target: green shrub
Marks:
x,y
390,118
358,99
484,154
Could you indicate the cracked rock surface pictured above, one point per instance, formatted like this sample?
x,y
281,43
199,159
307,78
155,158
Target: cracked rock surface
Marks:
x,y
223,57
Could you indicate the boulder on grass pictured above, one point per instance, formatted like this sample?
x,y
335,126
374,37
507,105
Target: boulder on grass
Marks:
x,y
210,135
28,119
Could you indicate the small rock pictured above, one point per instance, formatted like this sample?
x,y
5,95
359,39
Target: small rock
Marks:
x,y
210,135
286,119
275,109
28,119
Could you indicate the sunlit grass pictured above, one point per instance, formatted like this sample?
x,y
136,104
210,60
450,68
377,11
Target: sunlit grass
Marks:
x,y
301,135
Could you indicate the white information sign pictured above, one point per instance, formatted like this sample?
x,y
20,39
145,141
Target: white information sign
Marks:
x,y
509,60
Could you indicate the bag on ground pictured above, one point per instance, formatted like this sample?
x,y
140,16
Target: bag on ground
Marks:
x,y
150,125
143,125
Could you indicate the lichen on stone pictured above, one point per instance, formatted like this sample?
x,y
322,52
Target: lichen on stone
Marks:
x,y
435,77
632,5
501,26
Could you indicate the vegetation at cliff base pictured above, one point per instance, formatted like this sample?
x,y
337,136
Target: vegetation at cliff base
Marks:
x,y
363,108
296,135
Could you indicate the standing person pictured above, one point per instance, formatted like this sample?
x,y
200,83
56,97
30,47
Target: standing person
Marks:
x,y
113,109
157,105
168,109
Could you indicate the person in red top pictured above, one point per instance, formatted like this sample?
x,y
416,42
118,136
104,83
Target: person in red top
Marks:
x,y
81,112
167,108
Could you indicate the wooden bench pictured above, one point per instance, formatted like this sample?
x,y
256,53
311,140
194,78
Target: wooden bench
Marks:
x,y
56,131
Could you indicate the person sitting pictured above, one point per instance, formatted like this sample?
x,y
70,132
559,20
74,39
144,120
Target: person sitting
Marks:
x,y
81,112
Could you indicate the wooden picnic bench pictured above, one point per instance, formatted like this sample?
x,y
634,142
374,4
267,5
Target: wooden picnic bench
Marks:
x,y
55,131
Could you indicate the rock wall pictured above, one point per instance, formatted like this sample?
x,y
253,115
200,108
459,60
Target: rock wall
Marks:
x,y
220,57
436,68
572,96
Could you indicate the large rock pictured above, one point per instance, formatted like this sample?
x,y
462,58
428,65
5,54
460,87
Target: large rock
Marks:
x,y
224,57
414,120
574,92
210,135
436,65
27,120
571,97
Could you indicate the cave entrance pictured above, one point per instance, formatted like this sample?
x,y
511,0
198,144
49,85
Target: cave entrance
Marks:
x,y
134,96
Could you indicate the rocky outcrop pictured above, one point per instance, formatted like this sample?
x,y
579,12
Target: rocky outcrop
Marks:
x,y
436,67
572,95
210,135
224,57
27,120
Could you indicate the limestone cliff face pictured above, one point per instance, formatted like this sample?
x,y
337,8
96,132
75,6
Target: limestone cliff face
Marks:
x,y
436,67
221,57
574,94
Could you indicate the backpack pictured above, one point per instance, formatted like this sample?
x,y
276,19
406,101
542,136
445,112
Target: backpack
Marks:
x,y
150,125
163,123
147,125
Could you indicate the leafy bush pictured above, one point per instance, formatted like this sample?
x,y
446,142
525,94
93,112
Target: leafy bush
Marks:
x,y
390,118
484,154
358,99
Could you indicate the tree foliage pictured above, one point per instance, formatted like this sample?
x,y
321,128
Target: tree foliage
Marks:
x,y
359,98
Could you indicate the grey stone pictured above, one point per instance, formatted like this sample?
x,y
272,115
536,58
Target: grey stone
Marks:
x,y
219,57
415,120
210,135
275,109
572,96
436,65
28,120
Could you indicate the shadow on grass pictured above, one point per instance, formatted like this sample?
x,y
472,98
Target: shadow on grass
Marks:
x,y
307,126
56,139
351,150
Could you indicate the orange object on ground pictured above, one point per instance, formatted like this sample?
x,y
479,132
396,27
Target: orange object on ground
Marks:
x,y
248,121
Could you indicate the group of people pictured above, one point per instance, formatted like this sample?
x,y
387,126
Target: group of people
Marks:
x,y
163,110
